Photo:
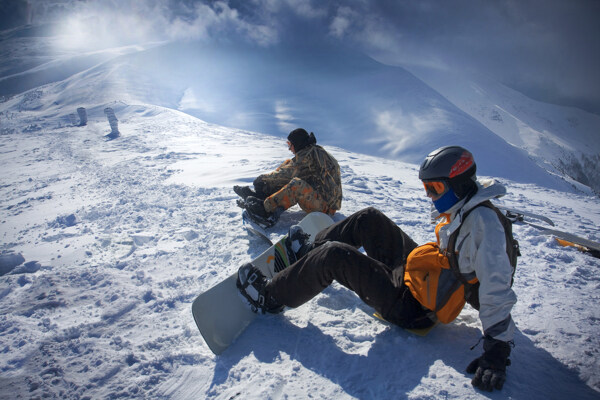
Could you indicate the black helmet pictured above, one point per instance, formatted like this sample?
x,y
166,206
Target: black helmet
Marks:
x,y
453,164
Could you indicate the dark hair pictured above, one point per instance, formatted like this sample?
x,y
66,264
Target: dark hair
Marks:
x,y
299,138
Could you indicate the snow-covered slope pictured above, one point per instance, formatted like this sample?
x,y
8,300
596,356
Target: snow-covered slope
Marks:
x,y
118,237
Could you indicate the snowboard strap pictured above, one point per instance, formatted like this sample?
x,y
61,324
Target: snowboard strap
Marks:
x,y
246,286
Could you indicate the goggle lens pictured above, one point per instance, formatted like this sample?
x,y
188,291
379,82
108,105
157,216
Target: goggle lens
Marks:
x,y
435,189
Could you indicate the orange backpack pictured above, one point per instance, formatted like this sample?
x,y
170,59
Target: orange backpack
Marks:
x,y
434,278
432,282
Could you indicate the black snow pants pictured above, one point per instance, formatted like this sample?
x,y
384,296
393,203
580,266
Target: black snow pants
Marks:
x,y
377,277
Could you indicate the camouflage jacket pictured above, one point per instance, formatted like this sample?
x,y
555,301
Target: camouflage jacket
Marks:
x,y
316,167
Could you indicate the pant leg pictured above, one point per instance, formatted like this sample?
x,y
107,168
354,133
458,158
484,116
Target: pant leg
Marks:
x,y
381,238
264,187
296,191
269,183
370,279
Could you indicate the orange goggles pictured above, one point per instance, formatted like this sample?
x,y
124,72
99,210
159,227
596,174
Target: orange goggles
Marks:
x,y
435,188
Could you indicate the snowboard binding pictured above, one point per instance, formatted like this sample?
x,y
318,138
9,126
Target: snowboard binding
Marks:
x,y
297,243
257,213
251,284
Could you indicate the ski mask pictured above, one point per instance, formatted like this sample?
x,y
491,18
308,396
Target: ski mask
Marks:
x,y
445,202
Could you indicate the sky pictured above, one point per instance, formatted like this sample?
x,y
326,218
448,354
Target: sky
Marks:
x,y
547,49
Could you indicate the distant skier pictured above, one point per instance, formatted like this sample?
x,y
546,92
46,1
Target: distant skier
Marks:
x,y
409,285
311,179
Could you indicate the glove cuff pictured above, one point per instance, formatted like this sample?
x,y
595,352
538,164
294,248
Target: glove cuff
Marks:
x,y
496,352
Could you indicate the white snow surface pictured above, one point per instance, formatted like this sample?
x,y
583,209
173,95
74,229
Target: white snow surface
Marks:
x,y
105,244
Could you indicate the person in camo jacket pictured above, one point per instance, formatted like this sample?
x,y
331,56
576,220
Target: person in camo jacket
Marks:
x,y
310,179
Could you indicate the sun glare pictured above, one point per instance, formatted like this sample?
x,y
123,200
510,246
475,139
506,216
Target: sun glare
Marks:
x,y
80,32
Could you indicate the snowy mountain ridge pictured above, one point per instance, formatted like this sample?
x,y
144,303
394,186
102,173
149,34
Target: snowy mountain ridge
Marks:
x,y
563,140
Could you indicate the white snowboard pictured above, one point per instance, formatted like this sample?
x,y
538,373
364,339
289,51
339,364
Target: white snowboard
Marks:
x,y
220,313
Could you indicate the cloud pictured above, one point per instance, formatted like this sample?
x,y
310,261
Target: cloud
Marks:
x,y
307,8
218,20
189,101
342,22
100,24
400,130
546,48
273,8
283,114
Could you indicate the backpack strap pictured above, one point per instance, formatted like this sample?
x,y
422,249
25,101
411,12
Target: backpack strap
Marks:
x,y
471,289
512,250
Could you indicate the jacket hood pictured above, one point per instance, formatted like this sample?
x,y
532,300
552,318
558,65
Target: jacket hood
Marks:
x,y
487,189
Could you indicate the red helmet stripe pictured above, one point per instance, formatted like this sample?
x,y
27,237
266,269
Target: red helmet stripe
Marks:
x,y
463,164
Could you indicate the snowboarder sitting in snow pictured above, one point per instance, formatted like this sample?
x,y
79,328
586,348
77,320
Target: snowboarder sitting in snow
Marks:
x,y
409,285
311,179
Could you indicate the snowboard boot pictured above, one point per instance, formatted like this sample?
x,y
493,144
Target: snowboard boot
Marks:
x,y
298,242
256,207
244,191
251,285
256,211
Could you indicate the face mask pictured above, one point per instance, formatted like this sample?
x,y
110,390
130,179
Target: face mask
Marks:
x,y
445,202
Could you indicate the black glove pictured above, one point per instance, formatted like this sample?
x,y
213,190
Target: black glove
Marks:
x,y
490,368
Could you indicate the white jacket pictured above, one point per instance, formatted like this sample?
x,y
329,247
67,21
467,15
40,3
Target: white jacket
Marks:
x,y
481,244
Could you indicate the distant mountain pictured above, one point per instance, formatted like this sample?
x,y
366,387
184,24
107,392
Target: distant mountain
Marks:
x,y
562,140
